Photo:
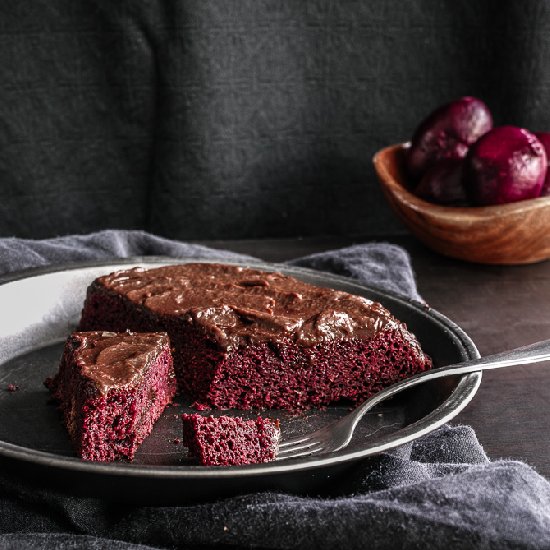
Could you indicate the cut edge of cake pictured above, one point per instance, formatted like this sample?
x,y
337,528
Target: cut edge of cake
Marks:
x,y
112,388
230,440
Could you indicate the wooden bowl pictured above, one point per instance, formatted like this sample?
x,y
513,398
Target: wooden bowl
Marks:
x,y
515,233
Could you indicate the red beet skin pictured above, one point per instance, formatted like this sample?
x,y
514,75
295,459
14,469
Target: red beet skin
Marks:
x,y
508,164
544,138
442,183
448,132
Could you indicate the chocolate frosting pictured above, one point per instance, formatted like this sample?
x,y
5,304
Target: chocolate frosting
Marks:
x,y
114,360
237,304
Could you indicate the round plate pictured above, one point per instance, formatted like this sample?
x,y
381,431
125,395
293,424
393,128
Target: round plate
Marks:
x,y
41,307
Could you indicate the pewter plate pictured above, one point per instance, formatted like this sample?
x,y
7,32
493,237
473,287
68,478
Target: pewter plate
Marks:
x,y
39,308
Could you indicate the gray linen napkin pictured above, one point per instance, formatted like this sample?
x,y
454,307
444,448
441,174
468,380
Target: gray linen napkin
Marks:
x,y
440,491
384,265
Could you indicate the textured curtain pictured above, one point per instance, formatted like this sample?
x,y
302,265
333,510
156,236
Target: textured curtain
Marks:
x,y
240,118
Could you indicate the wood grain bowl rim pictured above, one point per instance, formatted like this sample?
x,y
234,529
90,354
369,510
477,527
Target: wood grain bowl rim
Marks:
x,y
459,215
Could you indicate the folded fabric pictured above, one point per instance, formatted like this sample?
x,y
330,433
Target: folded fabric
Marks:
x,y
380,264
437,492
383,265
440,491
18,254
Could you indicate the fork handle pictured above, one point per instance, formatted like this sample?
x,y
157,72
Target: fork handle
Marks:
x,y
525,355
534,353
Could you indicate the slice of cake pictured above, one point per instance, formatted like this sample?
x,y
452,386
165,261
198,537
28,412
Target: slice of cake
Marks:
x,y
230,440
244,338
112,388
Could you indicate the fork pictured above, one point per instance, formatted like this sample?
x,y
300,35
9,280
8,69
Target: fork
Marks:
x,y
338,434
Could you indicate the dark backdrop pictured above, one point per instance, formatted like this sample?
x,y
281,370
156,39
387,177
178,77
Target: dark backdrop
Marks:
x,y
240,118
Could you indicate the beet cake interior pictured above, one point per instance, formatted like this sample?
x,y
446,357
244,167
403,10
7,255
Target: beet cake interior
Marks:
x,y
244,338
230,440
112,388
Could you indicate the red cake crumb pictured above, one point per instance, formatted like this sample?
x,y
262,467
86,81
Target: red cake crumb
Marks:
x,y
230,440
112,388
200,406
245,338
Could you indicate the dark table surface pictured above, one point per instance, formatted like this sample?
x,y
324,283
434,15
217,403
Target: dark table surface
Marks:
x,y
500,307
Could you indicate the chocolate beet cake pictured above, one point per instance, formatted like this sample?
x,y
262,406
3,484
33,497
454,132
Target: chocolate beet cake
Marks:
x,y
244,338
230,440
112,388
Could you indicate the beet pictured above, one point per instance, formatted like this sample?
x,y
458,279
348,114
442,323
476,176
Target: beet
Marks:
x,y
544,138
508,164
442,183
448,132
